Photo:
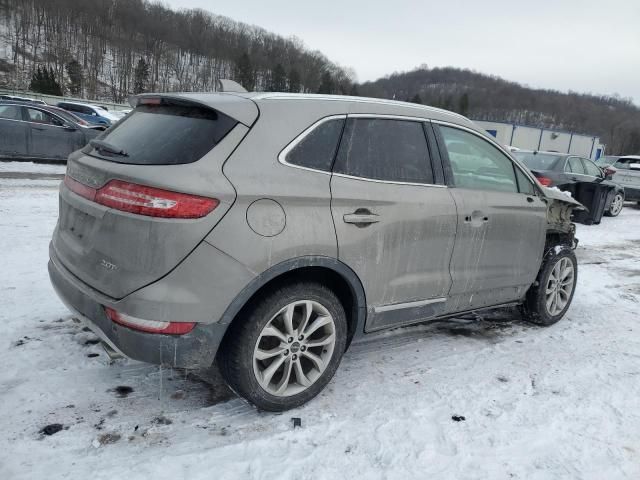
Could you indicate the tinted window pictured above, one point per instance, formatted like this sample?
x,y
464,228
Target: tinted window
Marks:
x,y
574,165
476,163
11,112
317,148
384,149
165,134
622,165
538,161
591,168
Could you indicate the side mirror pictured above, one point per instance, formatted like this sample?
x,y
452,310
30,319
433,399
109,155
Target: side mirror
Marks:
x,y
69,127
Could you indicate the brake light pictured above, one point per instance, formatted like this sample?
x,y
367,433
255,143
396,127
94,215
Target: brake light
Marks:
x,y
149,326
143,200
544,181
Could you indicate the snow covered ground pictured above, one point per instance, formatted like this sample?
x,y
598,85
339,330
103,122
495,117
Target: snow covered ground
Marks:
x,y
560,402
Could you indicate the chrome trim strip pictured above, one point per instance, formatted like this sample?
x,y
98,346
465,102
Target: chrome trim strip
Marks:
x,y
282,156
389,116
344,175
398,306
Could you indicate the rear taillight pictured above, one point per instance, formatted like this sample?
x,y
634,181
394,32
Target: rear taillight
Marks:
x,y
544,180
149,326
143,200
609,171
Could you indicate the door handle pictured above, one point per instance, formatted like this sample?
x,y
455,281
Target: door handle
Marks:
x,y
361,218
476,219
530,199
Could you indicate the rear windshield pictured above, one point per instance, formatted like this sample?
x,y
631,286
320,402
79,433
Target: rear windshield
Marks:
x,y
166,134
538,161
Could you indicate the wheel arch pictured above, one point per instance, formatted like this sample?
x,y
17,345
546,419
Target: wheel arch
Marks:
x,y
330,271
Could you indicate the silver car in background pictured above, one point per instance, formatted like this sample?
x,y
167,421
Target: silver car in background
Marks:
x,y
268,231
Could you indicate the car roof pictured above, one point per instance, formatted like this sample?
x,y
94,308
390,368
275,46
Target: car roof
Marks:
x,y
246,113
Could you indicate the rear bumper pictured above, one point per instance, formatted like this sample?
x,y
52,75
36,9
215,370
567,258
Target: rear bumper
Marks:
x,y
196,349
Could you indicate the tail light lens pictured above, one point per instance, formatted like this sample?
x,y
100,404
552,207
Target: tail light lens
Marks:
x,y
149,326
143,200
544,180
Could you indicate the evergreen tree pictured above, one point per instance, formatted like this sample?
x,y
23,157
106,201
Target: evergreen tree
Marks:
x,y
354,90
448,103
294,81
44,81
463,106
244,72
416,99
74,70
140,76
326,84
278,79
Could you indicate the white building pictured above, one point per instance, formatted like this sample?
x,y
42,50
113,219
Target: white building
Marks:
x,y
532,138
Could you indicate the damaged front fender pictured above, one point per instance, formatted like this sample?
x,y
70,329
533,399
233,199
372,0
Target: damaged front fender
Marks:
x,y
559,209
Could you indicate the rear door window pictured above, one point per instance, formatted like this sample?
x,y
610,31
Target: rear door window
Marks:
x,y
38,116
384,149
169,133
574,165
317,148
591,168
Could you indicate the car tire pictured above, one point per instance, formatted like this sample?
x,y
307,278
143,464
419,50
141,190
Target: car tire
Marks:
x,y
616,205
550,296
266,357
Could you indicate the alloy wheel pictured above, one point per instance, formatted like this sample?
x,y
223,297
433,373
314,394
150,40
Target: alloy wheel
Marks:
x,y
294,348
559,286
616,204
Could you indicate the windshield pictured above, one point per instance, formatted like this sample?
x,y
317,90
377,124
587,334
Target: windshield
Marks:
x,y
170,133
538,161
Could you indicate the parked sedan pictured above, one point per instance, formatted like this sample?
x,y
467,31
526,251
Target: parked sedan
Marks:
x,y
567,172
625,171
35,132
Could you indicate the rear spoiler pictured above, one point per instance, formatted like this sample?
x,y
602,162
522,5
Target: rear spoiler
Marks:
x,y
237,107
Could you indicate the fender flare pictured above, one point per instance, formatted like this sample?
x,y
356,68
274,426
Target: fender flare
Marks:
x,y
350,277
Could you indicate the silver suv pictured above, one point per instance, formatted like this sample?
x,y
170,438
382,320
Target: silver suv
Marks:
x,y
268,231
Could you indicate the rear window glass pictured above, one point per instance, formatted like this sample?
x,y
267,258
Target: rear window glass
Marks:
x,y
165,134
317,149
538,161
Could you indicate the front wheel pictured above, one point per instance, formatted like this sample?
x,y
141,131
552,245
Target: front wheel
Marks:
x,y
550,297
287,347
616,205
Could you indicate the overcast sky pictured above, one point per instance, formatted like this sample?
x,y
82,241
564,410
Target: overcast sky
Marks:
x,y
585,46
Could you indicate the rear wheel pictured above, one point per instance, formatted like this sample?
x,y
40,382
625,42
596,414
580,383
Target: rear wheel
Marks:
x,y
616,205
287,347
549,299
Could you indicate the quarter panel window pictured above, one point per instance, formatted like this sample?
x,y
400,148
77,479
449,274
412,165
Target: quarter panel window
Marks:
x,y
477,164
524,184
317,149
385,149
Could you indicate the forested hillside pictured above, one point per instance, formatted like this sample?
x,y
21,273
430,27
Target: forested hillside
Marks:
x,y
483,97
107,49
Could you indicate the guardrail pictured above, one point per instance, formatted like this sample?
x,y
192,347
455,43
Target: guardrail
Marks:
x,y
53,99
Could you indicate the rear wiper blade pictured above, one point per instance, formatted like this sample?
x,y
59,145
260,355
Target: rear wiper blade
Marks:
x,y
107,147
